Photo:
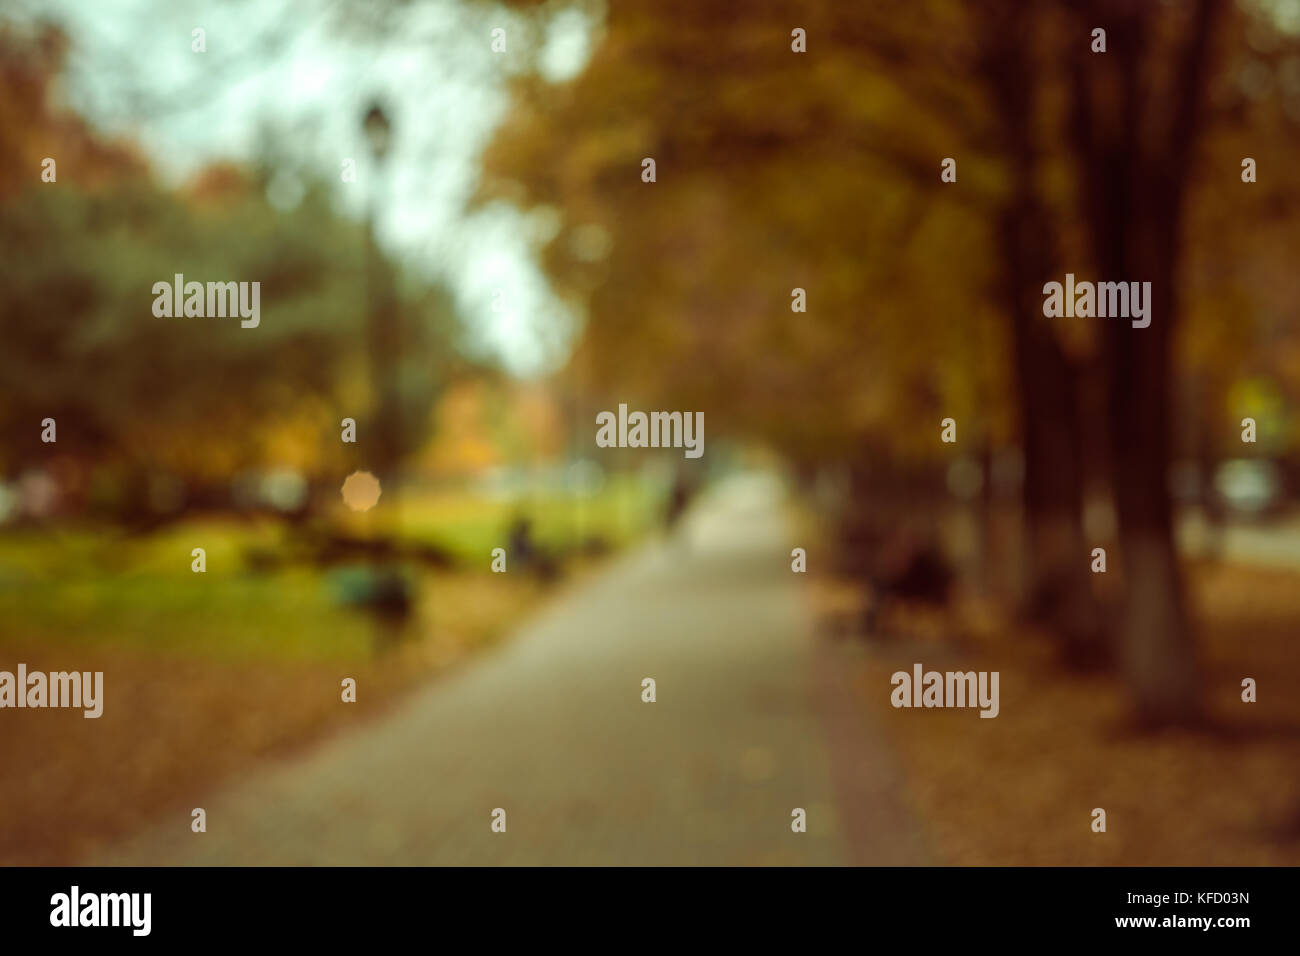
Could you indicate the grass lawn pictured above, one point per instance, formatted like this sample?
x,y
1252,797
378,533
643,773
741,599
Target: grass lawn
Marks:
x,y
560,523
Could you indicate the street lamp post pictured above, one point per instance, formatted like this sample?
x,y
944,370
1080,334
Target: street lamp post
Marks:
x,y
389,595
382,320
377,129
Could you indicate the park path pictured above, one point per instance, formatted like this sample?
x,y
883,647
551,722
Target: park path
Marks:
x,y
754,717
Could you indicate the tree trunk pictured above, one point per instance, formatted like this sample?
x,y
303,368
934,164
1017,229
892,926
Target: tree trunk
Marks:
x,y
1157,651
1059,592
1132,188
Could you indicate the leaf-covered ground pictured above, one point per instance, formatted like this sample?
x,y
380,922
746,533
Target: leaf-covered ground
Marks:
x,y
1020,789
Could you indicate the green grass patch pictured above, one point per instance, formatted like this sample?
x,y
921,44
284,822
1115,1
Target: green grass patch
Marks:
x,y
91,583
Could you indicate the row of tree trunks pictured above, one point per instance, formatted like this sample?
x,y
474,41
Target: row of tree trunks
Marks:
x,y
1131,191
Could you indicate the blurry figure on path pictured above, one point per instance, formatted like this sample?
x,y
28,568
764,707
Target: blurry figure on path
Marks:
x,y
909,570
524,552
679,499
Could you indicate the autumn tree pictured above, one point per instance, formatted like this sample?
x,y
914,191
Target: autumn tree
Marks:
x,y
825,165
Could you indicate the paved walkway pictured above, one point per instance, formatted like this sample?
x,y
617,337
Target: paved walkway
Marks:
x,y
754,718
